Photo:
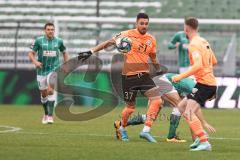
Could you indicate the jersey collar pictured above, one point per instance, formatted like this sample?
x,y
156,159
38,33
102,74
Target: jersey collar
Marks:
x,y
48,38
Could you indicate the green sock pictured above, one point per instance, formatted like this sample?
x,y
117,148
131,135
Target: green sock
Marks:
x,y
51,107
136,120
45,108
174,122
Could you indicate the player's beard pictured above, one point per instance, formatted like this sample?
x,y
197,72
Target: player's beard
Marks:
x,y
50,36
143,31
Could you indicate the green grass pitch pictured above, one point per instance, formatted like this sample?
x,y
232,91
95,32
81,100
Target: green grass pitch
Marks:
x,y
95,139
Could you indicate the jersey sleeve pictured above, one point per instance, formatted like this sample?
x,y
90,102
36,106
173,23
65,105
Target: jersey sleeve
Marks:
x,y
154,49
120,34
35,46
192,48
193,52
62,47
174,40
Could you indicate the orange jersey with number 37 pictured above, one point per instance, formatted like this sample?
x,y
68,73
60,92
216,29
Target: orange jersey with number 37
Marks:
x,y
199,47
143,48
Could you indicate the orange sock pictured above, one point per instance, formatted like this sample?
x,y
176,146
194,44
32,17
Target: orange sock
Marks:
x,y
153,110
193,135
196,127
126,113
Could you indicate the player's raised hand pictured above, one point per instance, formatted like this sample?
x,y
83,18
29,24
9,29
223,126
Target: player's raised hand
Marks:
x,y
38,64
84,55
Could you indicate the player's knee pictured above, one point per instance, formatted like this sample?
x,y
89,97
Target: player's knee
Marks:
x,y
176,111
44,93
51,97
44,99
154,108
156,101
50,91
127,111
154,92
130,107
187,114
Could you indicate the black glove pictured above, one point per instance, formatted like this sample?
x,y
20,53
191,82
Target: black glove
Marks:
x,y
162,70
84,55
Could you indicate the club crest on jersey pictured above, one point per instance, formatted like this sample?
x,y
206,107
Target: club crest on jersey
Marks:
x,y
50,53
149,42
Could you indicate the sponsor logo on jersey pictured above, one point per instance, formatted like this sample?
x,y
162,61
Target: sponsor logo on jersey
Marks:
x,y
149,42
195,54
50,53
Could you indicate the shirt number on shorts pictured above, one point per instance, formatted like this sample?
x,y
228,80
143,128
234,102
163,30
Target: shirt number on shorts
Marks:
x,y
128,95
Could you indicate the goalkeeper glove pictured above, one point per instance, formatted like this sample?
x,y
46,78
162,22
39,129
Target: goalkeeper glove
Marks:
x,y
84,55
162,70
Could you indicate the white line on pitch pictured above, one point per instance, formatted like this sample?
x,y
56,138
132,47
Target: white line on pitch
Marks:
x,y
106,135
9,129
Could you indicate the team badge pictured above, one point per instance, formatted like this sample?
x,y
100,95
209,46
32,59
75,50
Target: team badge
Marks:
x,y
149,42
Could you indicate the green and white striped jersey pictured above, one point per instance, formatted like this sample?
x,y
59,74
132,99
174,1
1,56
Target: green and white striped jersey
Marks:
x,y
183,57
183,87
48,51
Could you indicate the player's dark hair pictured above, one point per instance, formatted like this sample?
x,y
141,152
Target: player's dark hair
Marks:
x,y
48,24
192,22
142,15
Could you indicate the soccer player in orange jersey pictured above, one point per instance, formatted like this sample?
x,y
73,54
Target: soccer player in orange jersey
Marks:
x,y
202,60
135,73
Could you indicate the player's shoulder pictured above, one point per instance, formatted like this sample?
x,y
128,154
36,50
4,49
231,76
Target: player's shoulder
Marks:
x,y
39,38
121,34
150,36
180,33
197,40
130,32
203,40
58,38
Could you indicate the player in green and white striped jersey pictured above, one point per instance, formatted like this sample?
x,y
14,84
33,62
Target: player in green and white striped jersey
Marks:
x,y
48,49
180,41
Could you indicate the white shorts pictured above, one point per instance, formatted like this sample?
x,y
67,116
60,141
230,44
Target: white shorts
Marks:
x,y
165,86
45,81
